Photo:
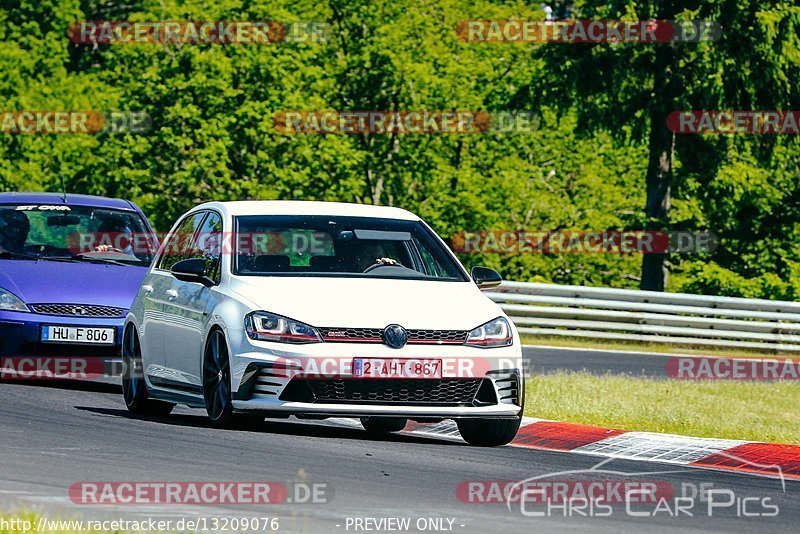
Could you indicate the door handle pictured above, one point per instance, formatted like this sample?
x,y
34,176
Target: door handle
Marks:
x,y
147,289
171,294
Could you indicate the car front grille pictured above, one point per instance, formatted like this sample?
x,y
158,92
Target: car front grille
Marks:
x,y
78,310
442,392
375,335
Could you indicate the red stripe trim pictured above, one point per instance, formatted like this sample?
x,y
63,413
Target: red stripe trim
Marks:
x,y
353,339
763,458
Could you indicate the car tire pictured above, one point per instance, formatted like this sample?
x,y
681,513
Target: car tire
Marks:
x,y
217,387
379,426
488,432
134,388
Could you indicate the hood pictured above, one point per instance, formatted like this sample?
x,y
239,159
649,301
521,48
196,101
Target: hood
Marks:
x,y
40,282
370,302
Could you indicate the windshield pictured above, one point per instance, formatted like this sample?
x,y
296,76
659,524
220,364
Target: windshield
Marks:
x,y
340,246
74,233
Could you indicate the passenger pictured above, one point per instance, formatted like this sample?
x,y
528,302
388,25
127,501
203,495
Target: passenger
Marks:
x,y
14,228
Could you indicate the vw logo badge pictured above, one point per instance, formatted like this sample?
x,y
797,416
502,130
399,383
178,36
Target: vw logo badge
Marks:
x,y
77,310
395,336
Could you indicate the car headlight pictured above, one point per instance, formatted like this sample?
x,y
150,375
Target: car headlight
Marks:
x,y
266,326
9,301
495,333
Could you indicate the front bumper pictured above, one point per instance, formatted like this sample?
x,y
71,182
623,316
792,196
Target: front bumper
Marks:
x,y
492,388
20,337
367,410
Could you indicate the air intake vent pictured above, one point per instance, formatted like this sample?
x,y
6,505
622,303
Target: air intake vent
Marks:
x,y
375,335
78,310
443,392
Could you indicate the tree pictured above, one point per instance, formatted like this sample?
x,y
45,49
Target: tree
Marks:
x,y
629,89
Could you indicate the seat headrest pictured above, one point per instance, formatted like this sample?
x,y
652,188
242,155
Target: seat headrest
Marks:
x,y
323,264
271,263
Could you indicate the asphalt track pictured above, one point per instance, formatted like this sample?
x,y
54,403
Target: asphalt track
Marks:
x,y
54,435
544,360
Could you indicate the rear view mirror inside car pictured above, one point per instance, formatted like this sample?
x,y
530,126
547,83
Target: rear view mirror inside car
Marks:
x,y
63,220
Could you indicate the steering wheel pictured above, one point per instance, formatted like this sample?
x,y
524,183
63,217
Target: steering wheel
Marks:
x,y
378,266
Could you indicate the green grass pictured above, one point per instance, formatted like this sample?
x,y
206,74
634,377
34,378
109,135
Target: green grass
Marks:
x,y
667,348
757,411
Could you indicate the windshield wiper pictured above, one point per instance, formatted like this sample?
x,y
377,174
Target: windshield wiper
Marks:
x,y
80,257
7,254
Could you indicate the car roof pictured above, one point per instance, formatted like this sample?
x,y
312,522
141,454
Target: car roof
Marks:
x,y
58,198
304,207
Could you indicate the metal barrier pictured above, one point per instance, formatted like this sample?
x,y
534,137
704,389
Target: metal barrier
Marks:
x,y
646,316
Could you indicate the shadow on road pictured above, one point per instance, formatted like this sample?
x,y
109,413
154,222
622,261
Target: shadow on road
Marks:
x,y
293,427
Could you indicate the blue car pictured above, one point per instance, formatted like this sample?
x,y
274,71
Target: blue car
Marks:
x,y
70,266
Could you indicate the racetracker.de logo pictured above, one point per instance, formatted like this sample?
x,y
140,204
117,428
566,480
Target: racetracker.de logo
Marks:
x,y
569,242
563,491
293,122
53,368
587,31
745,122
178,493
74,122
99,32
718,368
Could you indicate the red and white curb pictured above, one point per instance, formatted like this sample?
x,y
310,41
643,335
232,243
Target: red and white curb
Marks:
x,y
763,459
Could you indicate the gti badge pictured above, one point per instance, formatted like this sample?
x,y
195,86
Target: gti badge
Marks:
x,y
395,336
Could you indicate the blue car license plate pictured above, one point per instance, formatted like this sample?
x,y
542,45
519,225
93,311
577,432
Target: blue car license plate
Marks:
x,y
85,335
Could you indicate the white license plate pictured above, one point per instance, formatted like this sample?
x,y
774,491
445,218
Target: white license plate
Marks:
x,y
396,368
85,335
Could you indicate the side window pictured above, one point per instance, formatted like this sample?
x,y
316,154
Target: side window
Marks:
x,y
433,267
209,244
180,244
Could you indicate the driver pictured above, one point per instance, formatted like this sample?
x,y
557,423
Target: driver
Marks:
x,y
14,228
120,232
374,253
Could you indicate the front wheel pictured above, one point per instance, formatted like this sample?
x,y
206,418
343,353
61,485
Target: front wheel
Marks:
x,y
488,432
134,389
217,381
217,387
383,425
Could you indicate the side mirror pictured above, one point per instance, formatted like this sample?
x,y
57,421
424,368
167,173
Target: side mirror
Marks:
x,y
192,270
486,278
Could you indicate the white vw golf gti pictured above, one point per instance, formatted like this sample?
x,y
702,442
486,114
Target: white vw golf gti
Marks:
x,y
314,309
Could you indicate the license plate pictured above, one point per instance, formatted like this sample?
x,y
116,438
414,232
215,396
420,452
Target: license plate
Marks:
x,y
85,335
396,368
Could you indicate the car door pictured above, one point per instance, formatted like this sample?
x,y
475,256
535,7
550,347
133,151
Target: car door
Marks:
x,y
158,291
188,308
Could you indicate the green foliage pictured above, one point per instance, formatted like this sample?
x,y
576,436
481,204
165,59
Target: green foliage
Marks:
x,y
582,168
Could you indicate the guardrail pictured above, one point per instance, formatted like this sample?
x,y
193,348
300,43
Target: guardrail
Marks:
x,y
630,315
